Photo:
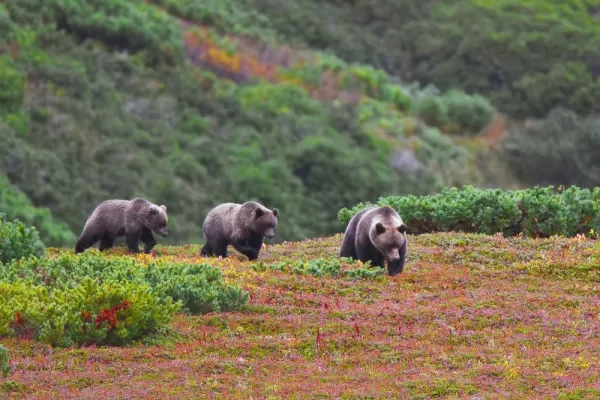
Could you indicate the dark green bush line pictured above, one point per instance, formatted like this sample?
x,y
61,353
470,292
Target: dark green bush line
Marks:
x,y
95,299
16,205
535,212
331,267
18,240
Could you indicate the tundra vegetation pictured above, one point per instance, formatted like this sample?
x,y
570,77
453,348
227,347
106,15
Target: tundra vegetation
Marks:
x,y
317,109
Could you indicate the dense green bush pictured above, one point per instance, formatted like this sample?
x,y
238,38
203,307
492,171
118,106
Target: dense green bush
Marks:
x,y
318,267
199,287
561,149
89,298
537,212
18,240
16,205
455,112
83,313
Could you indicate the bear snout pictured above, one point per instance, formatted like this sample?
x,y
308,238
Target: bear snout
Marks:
x,y
393,255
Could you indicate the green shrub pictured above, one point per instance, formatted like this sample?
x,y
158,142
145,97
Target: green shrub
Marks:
x,y
455,112
536,212
16,205
90,298
4,367
318,267
84,313
471,113
199,287
18,240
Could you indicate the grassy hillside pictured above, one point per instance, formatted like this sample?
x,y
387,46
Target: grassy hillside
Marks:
x,y
527,56
473,316
133,98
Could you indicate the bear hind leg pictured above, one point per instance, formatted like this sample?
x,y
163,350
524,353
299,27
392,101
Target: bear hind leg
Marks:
x,y
214,249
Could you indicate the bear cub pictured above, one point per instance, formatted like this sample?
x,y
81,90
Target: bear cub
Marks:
x,y
135,219
244,226
376,234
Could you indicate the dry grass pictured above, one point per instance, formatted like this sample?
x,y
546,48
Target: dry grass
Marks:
x,y
472,317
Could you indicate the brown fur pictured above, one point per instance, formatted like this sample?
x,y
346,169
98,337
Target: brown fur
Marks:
x,y
135,219
376,234
242,225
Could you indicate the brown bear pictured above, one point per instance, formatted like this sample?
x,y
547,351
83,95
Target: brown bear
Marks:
x,y
244,226
135,219
376,234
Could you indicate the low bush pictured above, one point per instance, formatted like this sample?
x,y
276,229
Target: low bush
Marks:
x,y
332,267
18,240
5,368
535,212
90,298
86,313
199,287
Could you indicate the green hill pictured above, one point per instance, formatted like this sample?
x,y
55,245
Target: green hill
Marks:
x,y
527,56
191,104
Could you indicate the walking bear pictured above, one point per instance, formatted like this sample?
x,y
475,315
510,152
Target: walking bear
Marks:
x,y
244,226
376,234
135,219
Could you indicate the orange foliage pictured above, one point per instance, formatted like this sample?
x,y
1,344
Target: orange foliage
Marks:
x,y
270,64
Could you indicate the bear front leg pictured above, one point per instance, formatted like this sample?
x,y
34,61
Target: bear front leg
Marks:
x,y
106,243
132,238
148,240
256,241
243,247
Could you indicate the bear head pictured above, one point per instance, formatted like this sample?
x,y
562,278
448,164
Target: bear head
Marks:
x,y
388,235
157,220
265,222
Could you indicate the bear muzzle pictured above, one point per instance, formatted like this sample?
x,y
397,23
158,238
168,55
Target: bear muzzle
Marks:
x,y
393,255
270,234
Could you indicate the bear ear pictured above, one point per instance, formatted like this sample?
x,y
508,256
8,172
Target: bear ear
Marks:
x,y
259,213
153,210
402,228
275,211
164,208
379,228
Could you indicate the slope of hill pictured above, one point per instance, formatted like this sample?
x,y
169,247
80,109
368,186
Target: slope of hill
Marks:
x,y
526,56
473,316
124,99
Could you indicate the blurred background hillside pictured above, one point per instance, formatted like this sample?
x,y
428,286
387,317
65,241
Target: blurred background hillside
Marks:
x,y
304,105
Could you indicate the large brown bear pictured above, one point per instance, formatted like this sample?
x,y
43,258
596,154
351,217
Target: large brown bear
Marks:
x,y
135,219
376,234
244,226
